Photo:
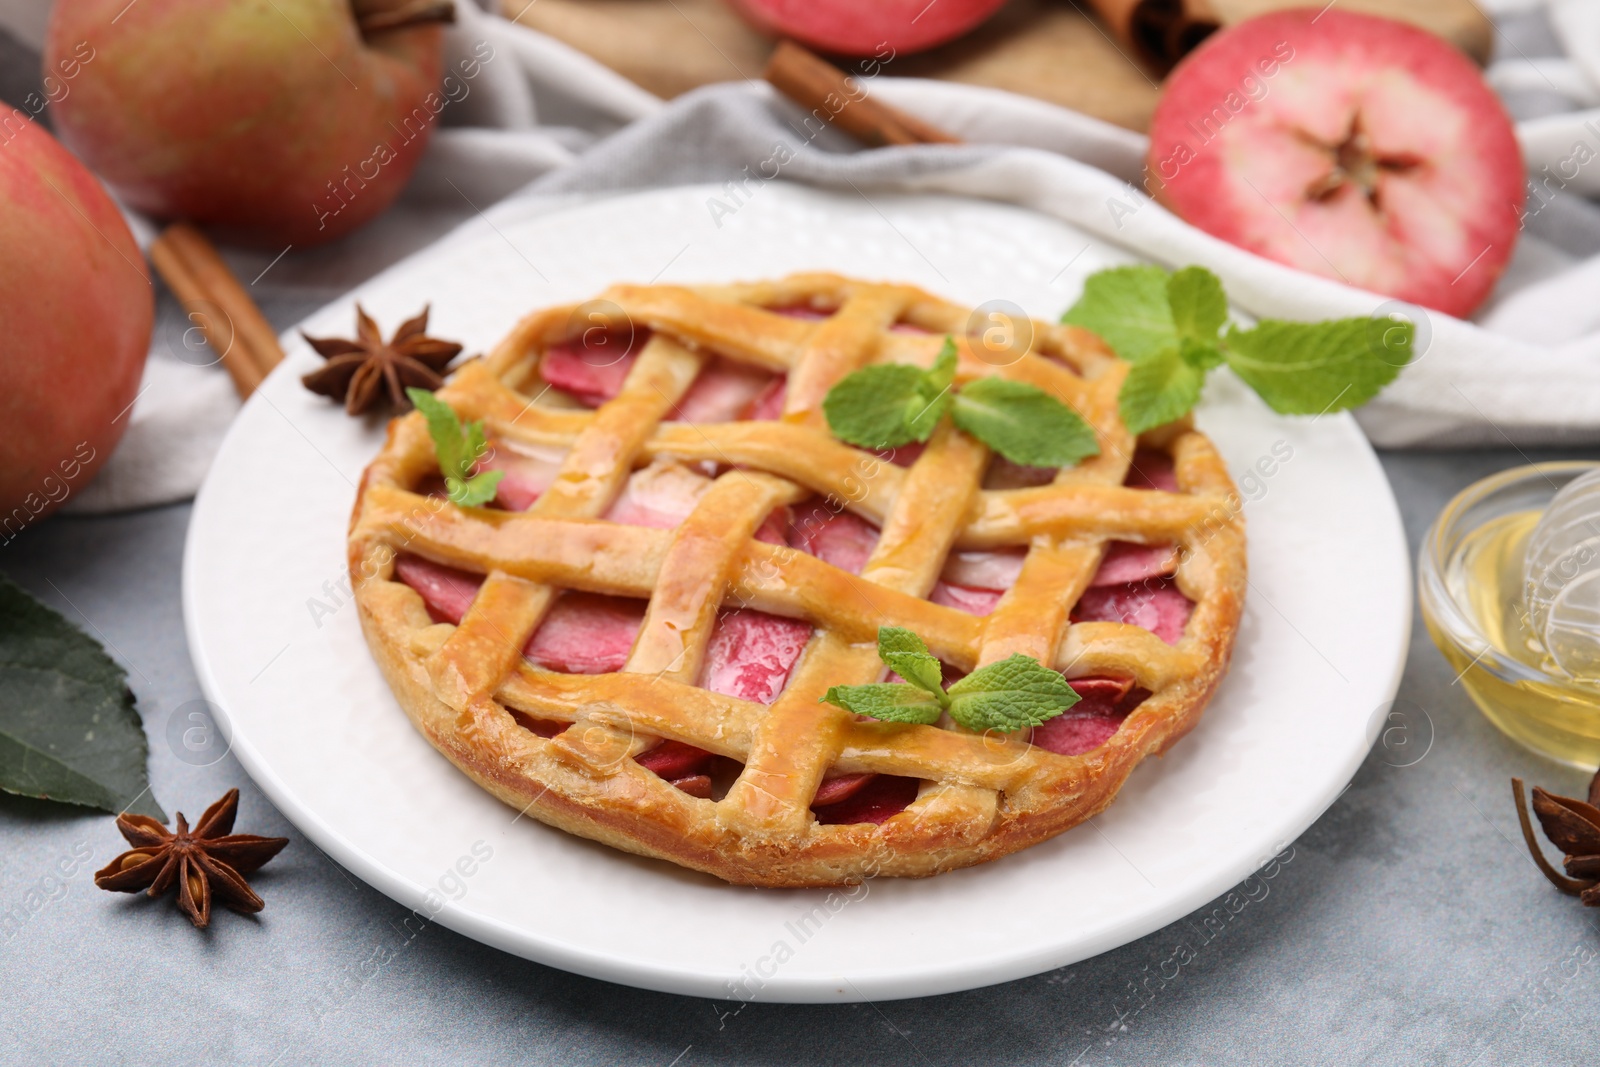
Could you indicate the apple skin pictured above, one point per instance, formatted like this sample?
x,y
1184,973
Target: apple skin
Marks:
x,y
1247,127
77,306
260,118
881,28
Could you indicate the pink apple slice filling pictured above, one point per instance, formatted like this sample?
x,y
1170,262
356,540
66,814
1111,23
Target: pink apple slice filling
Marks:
x,y
965,598
1125,563
586,633
725,391
663,494
526,476
1152,470
845,786
840,538
874,800
903,455
1156,605
685,766
769,405
751,654
583,633
592,366
974,582
446,592
1088,724
659,496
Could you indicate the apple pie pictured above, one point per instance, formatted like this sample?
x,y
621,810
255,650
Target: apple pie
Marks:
x,y
630,642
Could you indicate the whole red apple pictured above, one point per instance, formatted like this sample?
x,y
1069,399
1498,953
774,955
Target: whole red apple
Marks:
x,y
1346,145
878,28
277,122
77,308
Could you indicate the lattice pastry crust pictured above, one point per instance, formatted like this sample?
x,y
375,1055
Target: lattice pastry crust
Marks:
x,y
474,695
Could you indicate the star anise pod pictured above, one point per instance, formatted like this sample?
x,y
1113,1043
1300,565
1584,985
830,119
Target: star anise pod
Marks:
x,y
358,369
203,862
1573,826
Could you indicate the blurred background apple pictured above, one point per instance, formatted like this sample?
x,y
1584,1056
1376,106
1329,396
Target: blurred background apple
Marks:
x,y
293,121
880,28
77,307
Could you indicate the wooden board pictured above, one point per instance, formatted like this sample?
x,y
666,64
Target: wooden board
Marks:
x,y
1044,48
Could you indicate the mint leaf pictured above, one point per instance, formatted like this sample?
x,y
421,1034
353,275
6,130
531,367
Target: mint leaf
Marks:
x,y
943,372
1159,389
908,657
1198,305
1202,355
1307,368
1129,308
1014,693
933,394
1298,368
871,407
1009,695
458,450
68,729
887,701
1023,423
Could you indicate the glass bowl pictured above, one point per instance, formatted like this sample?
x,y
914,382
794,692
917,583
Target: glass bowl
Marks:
x,y
1470,587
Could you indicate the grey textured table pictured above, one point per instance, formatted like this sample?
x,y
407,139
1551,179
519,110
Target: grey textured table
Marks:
x,y
1406,926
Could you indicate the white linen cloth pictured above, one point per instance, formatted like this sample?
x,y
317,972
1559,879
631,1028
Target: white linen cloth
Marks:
x,y
1526,370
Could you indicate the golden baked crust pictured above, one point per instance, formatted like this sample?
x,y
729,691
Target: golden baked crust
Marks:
x,y
982,796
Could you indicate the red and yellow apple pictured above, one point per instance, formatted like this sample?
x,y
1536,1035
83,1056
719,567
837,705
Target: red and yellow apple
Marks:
x,y
878,28
275,123
1346,145
77,307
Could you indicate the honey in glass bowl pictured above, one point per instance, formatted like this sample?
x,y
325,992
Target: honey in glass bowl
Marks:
x,y
1471,589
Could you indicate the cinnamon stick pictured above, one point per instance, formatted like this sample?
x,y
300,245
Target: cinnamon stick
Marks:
x,y
833,96
1159,32
232,323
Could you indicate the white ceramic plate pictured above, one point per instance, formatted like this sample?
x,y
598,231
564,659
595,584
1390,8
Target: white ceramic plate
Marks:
x,y
278,648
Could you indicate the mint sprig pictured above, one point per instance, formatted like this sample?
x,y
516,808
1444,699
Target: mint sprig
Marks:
x,y
889,405
459,448
908,657
1022,423
1015,693
1170,327
1010,694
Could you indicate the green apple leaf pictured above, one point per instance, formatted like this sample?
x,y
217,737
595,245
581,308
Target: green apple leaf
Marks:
x,y
68,729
